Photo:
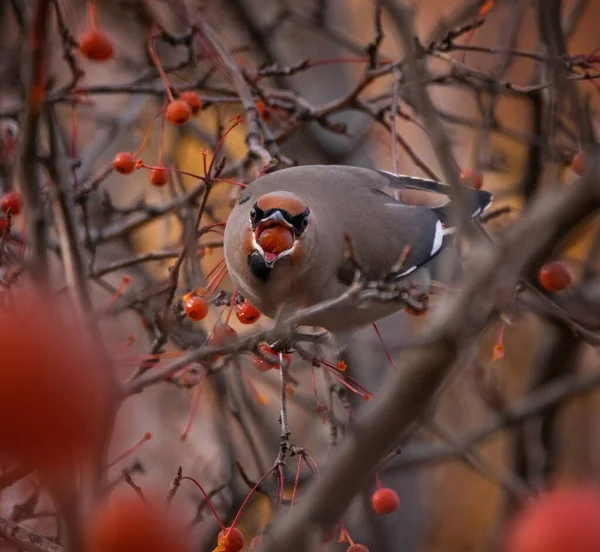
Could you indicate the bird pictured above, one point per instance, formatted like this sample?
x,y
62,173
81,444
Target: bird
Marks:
x,y
286,240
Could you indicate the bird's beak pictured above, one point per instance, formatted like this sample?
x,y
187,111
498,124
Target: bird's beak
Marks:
x,y
276,218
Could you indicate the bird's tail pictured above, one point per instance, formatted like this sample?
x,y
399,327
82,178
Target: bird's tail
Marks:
x,y
479,200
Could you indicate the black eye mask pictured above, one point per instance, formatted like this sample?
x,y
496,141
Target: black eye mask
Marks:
x,y
299,222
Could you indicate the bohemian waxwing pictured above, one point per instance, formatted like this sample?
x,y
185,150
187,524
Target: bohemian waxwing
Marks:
x,y
318,206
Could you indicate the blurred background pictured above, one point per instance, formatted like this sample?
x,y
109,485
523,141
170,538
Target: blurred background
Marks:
x,y
452,502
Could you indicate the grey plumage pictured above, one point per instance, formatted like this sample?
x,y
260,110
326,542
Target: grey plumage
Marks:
x,y
342,200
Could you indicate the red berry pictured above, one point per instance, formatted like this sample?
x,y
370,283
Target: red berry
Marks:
x,y
230,540
124,162
193,100
385,501
564,519
96,45
11,201
196,308
263,365
357,548
578,162
276,239
471,178
246,313
159,176
124,522
555,276
54,393
179,112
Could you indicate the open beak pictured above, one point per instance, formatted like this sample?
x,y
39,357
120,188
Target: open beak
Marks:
x,y
269,254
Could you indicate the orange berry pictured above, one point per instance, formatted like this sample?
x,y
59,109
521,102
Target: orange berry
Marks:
x,y
578,162
276,239
272,361
13,202
193,100
564,519
53,393
96,45
125,522
357,548
342,366
196,308
385,501
555,276
230,539
247,313
159,176
179,112
471,178
124,162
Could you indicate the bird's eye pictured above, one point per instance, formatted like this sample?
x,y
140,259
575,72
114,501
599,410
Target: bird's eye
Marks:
x,y
300,222
256,215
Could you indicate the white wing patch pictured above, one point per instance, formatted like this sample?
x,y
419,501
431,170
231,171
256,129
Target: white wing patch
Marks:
x,y
414,179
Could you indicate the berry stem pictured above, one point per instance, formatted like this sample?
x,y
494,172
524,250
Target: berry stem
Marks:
x,y
216,280
159,68
124,283
147,436
296,480
237,121
147,133
385,349
239,512
212,270
162,135
231,305
196,394
208,501
378,481
92,15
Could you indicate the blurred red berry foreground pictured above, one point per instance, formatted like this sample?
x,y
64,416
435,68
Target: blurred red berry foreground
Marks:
x,y
53,401
565,520
125,523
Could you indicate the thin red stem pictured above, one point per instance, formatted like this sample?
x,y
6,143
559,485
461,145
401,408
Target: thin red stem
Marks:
x,y
147,436
296,480
157,64
147,133
237,121
387,354
196,394
92,17
125,282
213,269
239,512
207,498
231,305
